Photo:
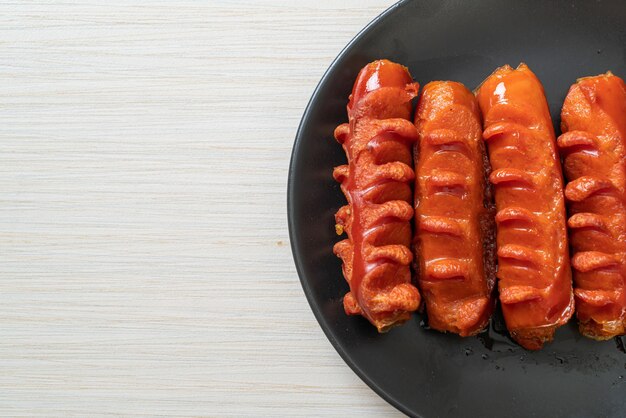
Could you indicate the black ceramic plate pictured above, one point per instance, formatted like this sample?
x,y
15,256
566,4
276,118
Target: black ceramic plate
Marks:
x,y
422,372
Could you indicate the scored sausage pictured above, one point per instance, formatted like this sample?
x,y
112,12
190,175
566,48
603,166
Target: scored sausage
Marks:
x,y
534,276
454,243
593,147
377,184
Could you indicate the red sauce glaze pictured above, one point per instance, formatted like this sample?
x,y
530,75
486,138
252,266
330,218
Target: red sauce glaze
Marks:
x,y
593,148
454,244
534,276
376,182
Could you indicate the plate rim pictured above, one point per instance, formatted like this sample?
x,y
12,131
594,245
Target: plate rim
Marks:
x,y
389,398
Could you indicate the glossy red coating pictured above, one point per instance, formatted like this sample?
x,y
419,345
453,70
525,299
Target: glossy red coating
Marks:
x,y
454,243
593,148
377,184
534,276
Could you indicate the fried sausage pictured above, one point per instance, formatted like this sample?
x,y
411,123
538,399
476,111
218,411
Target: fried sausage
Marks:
x,y
534,276
454,244
593,147
377,184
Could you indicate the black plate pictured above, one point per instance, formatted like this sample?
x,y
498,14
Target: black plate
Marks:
x,y
422,372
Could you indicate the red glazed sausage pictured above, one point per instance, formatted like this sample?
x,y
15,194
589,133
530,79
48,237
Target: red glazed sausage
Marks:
x,y
377,184
454,243
534,276
593,147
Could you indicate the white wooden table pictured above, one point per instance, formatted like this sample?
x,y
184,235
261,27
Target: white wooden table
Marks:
x,y
145,265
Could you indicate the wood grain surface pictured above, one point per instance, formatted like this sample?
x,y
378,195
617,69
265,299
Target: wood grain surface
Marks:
x,y
145,266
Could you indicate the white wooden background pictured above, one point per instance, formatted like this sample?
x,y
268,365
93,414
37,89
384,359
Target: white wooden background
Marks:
x,y
145,265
